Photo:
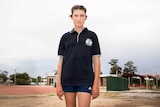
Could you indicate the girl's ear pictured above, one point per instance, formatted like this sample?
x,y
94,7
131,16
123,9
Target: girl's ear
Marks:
x,y
86,17
70,16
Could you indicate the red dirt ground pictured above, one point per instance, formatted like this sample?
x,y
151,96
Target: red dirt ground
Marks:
x,y
30,96
26,90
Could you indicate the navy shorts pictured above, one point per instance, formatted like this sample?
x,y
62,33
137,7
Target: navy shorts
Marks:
x,y
87,89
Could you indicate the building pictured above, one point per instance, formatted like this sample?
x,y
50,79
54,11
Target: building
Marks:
x,y
51,78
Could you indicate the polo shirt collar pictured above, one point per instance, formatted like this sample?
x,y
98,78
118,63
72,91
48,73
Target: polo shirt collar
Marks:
x,y
73,31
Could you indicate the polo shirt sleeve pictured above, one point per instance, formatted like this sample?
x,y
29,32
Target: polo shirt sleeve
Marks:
x,y
96,47
61,47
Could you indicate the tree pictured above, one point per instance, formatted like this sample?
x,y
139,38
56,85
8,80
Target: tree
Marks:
x,y
21,78
34,80
114,67
39,79
3,76
130,68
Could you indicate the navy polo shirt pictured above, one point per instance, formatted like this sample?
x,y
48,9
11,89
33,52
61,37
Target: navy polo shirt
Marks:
x,y
77,51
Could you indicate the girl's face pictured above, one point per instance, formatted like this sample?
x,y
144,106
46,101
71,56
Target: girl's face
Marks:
x,y
78,17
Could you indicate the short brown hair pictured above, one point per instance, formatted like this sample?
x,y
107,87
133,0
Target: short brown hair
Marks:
x,y
75,7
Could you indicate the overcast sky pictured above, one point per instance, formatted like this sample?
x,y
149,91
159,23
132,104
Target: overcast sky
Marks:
x,y
30,30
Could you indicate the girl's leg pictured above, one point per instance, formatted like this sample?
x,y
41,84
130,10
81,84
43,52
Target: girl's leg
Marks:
x,y
84,99
70,99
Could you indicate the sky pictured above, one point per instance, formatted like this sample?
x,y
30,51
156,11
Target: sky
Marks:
x,y
30,30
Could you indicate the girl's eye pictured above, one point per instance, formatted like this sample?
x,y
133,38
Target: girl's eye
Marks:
x,y
75,15
82,15
79,15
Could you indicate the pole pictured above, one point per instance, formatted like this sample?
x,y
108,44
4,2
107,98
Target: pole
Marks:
x,y
129,81
140,82
15,77
156,81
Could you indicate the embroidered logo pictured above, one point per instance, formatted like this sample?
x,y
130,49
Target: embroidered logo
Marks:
x,y
89,88
89,42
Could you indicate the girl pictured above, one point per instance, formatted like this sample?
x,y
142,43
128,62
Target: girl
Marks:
x,y
79,63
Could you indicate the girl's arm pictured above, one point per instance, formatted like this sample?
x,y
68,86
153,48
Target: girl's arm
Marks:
x,y
95,87
59,89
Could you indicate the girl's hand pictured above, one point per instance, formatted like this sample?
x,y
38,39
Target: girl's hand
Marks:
x,y
59,92
95,91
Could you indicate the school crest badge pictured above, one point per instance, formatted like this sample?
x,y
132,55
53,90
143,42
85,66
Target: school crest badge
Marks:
x,y
88,42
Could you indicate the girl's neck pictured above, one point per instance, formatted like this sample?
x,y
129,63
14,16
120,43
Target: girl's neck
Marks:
x,y
78,29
